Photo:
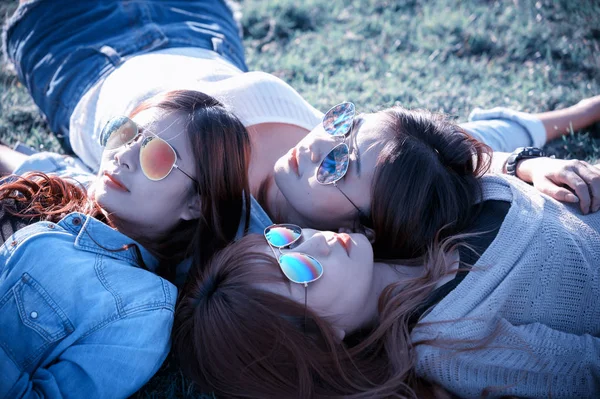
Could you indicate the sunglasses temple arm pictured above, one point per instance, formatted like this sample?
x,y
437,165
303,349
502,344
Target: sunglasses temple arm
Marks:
x,y
273,250
181,170
352,202
305,304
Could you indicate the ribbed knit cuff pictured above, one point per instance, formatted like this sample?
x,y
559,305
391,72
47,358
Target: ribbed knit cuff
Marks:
x,y
533,126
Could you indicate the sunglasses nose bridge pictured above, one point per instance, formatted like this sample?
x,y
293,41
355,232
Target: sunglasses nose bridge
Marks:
x,y
128,155
122,158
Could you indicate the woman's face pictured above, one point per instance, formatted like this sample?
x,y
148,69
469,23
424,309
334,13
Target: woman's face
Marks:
x,y
346,283
143,207
305,201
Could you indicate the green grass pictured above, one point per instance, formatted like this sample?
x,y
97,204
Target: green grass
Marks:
x,y
443,55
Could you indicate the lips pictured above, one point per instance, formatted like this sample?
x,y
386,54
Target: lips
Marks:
x,y
114,182
345,240
293,161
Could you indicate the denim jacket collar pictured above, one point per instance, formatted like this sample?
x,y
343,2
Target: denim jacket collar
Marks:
x,y
259,220
97,237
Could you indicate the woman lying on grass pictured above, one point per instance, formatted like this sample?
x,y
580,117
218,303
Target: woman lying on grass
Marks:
x,y
498,298
100,72
86,307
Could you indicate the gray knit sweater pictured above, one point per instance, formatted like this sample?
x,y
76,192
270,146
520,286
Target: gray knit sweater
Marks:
x,y
534,295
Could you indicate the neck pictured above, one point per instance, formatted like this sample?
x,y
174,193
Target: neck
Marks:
x,y
384,275
275,204
269,141
267,195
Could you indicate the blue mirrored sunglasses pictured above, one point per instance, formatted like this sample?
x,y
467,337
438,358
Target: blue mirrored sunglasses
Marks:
x,y
336,122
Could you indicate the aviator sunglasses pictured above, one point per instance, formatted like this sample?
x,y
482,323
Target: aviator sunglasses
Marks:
x,y
337,122
157,157
297,267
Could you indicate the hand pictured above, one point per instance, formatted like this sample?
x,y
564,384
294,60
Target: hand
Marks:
x,y
564,180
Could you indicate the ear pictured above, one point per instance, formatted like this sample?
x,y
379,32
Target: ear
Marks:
x,y
368,232
192,209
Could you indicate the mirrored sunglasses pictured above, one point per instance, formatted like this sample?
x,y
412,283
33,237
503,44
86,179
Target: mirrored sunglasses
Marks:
x,y
298,267
336,122
157,157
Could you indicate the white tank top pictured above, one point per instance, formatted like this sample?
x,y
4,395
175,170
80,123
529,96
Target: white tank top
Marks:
x,y
255,97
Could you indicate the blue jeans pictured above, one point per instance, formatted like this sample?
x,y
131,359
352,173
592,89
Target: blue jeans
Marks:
x,y
61,48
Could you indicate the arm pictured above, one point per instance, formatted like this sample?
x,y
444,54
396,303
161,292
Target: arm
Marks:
x,y
564,180
499,161
570,181
530,360
111,362
10,160
578,116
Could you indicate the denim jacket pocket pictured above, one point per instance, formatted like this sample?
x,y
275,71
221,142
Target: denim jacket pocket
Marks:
x,y
32,323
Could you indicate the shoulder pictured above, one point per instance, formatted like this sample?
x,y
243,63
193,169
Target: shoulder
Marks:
x,y
64,256
272,99
61,165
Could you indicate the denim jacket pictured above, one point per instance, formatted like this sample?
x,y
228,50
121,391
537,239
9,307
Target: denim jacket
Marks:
x,y
78,316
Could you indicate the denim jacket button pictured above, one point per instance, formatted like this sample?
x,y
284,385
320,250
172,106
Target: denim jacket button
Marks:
x,y
76,221
51,226
33,315
14,243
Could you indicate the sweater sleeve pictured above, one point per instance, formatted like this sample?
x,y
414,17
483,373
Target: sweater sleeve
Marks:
x,y
530,360
9,223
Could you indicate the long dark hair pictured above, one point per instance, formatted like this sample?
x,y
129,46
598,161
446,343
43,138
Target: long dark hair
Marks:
x,y
221,148
426,182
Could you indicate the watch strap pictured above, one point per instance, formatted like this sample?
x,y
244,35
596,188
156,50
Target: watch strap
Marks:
x,y
520,154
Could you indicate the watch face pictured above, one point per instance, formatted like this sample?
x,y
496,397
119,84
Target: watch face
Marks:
x,y
519,154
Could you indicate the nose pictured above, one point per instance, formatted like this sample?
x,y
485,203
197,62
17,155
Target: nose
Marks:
x,y
314,243
125,156
320,146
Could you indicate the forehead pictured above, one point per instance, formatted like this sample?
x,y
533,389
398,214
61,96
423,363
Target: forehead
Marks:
x,y
368,138
168,125
370,130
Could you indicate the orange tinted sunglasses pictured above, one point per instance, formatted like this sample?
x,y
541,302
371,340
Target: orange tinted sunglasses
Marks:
x,y
157,157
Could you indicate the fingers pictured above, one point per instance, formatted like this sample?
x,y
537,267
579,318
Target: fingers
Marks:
x,y
559,193
583,179
581,190
591,175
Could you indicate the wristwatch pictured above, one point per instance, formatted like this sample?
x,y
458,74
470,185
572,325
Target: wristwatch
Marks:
x,y
519,154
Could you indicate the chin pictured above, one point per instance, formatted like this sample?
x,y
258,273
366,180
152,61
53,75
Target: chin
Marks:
x,y
280,168
105,204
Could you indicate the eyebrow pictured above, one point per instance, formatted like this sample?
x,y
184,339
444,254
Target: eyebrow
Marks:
x,y
142,129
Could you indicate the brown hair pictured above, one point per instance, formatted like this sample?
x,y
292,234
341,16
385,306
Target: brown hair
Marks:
x,y
426,182
238,340
221,148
